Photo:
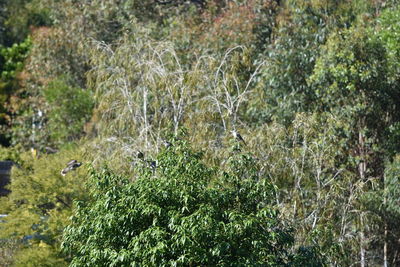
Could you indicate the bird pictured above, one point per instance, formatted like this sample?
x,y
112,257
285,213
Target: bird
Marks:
x,y
72,162
153,164
167,144
71,165
140,155
238,137
50,150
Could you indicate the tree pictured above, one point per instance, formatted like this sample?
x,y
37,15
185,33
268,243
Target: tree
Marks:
x,y
18,17
69,109
353,79
391,211
383,205
301,30
39,205
14,59
182,213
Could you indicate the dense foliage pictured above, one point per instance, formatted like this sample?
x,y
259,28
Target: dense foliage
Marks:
x,y
182,213
312,86
40,206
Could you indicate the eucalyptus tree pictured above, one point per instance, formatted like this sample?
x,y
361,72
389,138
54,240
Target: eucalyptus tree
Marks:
x,y
382,204
353,79
141,88
300,30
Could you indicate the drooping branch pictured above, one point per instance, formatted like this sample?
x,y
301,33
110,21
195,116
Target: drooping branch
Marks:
x,y
200,3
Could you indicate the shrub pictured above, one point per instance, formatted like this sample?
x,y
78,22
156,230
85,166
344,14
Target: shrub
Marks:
x,y
181,213
8,248
70,108
39,207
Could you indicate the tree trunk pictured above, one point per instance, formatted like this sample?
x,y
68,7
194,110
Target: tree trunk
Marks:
x,y
146,126
385,259
362,250
385,237
362,167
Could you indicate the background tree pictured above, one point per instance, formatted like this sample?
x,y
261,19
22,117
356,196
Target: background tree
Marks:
x,y
11,67
69,109
352,80
39,206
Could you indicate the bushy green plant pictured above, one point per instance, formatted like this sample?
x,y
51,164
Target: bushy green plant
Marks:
x,y
40,256
8,249
70,107
40,204
383,206
13,61
14,57
182,213
20,16
11,153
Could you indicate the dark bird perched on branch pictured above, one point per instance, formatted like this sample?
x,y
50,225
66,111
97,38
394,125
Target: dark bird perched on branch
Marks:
x,y
72,162
50,150
167,144
152,164
238,137
140,155
71,165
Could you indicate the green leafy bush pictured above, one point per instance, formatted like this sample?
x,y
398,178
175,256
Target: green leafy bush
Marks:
x,y
12,60
182,213
70,108
8,247
14,57
20,17
11,153
39,207
42,255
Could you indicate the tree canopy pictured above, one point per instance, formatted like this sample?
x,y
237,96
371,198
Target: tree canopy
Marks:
x,y
182,213
311,86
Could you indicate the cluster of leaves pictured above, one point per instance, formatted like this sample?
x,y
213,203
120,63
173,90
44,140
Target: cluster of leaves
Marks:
x,y
70,107
17,17
12,62
13,58
8,248
39,206
182,213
